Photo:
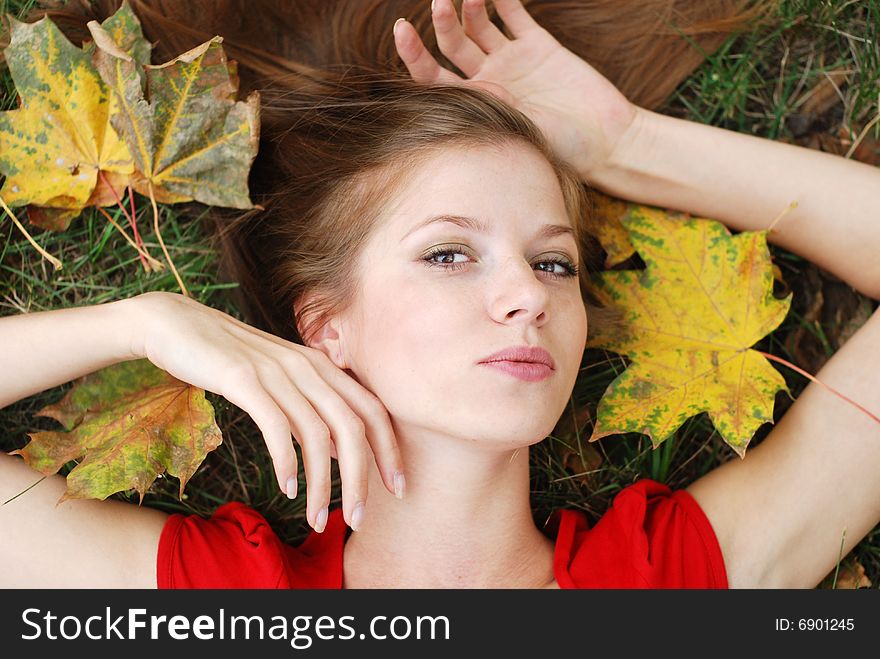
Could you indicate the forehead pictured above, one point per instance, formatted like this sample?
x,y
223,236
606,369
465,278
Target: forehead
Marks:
x,y
505,185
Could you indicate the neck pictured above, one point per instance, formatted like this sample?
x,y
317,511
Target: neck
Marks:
x,y
465,522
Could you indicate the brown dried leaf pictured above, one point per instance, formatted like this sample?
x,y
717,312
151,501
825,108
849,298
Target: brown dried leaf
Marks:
x,y
850,576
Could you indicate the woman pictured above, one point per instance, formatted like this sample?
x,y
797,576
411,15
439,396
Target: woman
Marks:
x,y
447,236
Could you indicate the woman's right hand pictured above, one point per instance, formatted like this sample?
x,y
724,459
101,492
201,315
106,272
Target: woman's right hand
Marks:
x,y
287,389
584,116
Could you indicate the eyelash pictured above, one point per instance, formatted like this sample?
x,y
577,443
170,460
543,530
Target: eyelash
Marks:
x,y
571,269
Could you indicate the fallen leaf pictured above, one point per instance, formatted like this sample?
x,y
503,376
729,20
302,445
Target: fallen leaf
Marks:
x,y
826,93
820,99
840,144
609,213
802,343
850,576
614,238
189,139
843,331
53,146
127,424
585,458
124,28
690,319
582,465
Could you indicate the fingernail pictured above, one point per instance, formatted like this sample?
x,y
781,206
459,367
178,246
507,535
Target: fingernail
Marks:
x,y
399,484
357,516
291,487
321,520
394,29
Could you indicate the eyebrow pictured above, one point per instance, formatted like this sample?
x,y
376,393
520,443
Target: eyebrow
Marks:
x,y
473,224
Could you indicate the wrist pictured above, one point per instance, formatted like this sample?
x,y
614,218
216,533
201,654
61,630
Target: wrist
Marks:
x,y
130,320
616,174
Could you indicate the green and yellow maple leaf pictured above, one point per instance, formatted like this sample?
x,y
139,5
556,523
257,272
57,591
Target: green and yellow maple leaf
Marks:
x,y
189,138
127,423
609,213
614,238
124,28
690,319
54,145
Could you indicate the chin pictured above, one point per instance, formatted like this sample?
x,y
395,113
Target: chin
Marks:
x,y
517,430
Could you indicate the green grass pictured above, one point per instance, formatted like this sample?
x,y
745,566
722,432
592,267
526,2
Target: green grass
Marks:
x,y
756,82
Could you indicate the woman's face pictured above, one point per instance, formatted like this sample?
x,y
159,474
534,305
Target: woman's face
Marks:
x,y
438,297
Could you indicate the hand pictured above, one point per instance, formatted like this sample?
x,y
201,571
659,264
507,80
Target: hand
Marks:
x,y
582,114
286,388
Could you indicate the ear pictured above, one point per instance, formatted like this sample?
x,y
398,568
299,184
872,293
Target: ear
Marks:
x,y
327,338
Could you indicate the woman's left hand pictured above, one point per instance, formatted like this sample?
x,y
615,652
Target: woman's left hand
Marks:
x,y
582,114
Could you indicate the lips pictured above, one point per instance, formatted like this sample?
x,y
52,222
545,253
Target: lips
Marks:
x,y
528,371
523,362
526,354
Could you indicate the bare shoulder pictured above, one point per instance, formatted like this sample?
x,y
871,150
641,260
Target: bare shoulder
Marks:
x,y
76,544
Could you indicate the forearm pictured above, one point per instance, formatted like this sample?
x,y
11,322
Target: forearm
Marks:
x,y
45,349
746,182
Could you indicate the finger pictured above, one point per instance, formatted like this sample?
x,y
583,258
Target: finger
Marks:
x,y
312,434
315,442
418,61
248,394
348,432
479,28
366,405
515,17
378,428
353,464
452,40
310,431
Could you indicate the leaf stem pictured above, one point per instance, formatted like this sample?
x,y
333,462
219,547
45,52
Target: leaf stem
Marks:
x,y
23,491
149,262
134,226
855,145
130,218
162,242
791,207
817,381
55,262
106,182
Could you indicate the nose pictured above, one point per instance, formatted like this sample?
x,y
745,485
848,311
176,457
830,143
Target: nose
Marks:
x,y
518,294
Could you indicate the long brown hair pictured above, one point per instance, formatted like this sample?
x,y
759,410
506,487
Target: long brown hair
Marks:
x,y
342,124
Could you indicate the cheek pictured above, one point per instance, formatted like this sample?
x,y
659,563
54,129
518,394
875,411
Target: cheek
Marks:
x,y
584,328
578,328
402,334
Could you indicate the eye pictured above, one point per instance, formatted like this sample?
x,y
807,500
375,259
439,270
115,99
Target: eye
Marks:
x,y
444,257
565,267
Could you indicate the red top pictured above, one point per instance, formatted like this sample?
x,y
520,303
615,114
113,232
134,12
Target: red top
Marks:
x,y
651,537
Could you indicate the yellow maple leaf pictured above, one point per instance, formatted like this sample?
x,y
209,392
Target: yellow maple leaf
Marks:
x,y
53,146
690,319
607,214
